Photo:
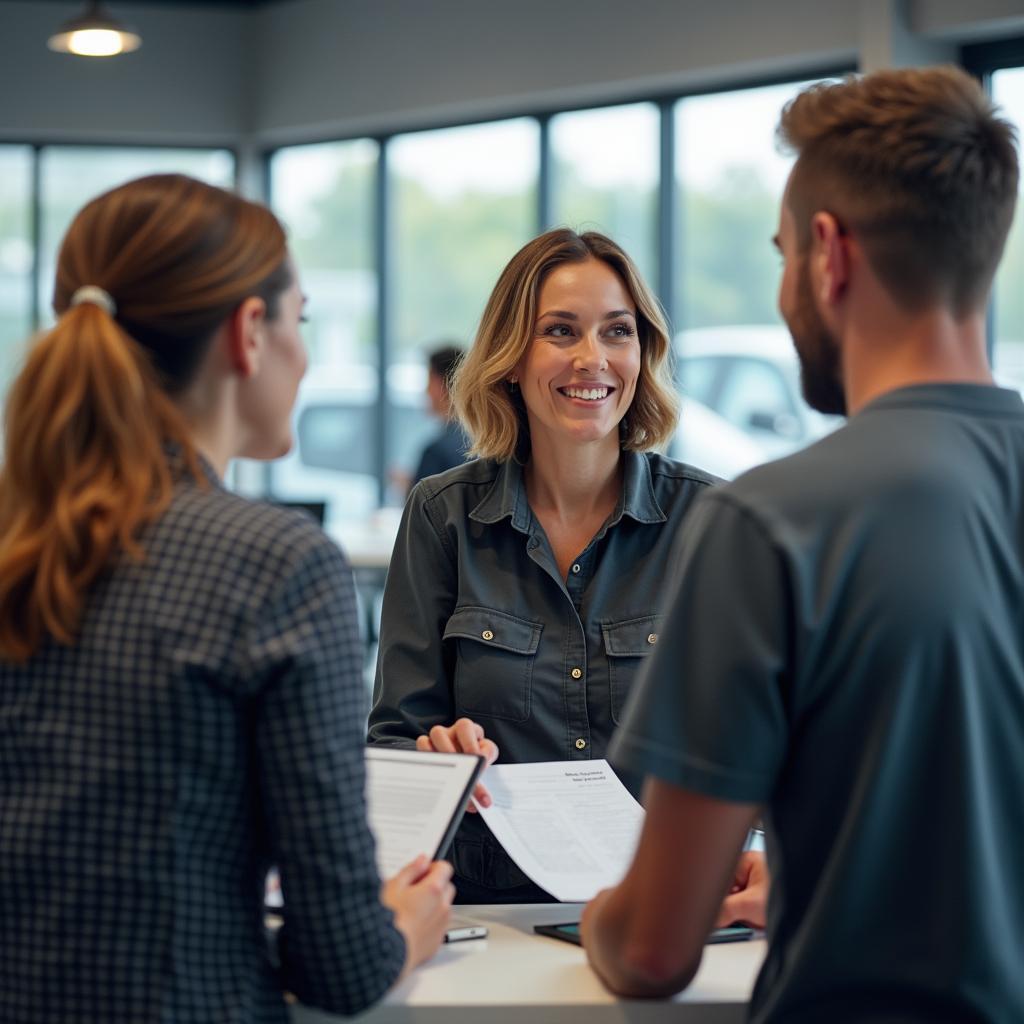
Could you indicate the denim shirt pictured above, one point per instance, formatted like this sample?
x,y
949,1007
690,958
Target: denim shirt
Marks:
x,y
478,622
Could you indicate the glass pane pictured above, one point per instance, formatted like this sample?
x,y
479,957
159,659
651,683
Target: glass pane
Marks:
x,y
325,196
15,257
1008,92
72,175
730,178
463,201
605,167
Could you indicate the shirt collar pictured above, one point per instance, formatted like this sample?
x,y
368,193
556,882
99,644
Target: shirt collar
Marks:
x,y
179,466
507,496
969,398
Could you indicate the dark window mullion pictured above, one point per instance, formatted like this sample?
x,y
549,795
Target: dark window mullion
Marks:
x,y
665,212
382,231
545,183
36,237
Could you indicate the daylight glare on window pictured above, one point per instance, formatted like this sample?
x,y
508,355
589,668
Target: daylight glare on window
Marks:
x,y
1008,299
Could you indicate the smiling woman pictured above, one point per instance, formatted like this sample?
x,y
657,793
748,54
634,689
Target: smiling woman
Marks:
x,y
579,372
524,593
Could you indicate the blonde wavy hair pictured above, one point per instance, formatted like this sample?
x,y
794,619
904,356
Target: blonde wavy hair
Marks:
x,y
493,414
88,419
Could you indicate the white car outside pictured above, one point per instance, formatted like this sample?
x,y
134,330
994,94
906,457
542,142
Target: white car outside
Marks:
x,y
750,375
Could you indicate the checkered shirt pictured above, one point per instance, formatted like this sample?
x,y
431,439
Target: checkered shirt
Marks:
x,y
208,722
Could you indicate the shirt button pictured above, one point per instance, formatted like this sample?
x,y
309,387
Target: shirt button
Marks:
x,y
576,567
580,744
487,634
653,638
576,673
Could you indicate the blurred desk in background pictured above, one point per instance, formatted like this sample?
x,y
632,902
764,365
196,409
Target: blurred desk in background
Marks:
x,y
368,544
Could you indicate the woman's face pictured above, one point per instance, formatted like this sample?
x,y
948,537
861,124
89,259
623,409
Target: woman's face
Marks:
x,y
579,371
271,392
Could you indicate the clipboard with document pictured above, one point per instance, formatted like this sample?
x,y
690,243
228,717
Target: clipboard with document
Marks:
x,y
415,801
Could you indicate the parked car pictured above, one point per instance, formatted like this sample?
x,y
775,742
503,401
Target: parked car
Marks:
x,y
710,442
750,376
335,422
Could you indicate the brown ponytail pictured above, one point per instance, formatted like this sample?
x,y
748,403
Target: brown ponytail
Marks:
x,y
89,418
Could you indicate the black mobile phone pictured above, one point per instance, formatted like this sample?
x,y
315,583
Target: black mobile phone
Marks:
x,y
571,933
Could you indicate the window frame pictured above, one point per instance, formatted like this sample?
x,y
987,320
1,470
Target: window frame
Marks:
x,y
982,60
39,146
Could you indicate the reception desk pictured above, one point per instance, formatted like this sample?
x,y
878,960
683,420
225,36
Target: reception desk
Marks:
x,y
517,977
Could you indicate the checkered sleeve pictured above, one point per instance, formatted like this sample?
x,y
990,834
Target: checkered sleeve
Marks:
x,y
339,947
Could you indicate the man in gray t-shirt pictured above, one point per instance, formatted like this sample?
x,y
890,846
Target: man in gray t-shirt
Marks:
x,y
844,650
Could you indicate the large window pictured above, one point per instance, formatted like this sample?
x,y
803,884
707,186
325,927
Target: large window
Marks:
x,y
730,177
463,200
1008,308
604,174
57,181
72,175
15,256
735,355
325,195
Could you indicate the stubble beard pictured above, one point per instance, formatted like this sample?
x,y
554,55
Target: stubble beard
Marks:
x,y
821,378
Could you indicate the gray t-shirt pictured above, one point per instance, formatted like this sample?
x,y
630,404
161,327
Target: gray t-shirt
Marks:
x,y
846,647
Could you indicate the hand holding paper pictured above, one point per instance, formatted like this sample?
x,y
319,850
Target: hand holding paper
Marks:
x,y
465,737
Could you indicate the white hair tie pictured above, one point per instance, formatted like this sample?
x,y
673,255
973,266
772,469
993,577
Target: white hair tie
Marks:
x,y
97,296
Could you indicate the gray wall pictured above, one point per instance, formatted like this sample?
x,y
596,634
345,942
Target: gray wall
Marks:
x,y
968,21
341,68
304,69
186,85
371,64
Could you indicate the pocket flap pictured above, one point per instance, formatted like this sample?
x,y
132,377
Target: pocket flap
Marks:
x,y
494,629
631,638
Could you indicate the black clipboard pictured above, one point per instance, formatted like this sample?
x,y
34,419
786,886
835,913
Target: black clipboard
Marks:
x,y
454,795
467,768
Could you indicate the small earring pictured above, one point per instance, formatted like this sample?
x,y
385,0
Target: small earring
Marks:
x,y
513,381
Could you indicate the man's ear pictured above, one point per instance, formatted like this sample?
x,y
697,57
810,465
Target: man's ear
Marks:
x,y
245,336
830,259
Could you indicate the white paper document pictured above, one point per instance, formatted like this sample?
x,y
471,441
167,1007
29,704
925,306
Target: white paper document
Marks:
x,y
415,801
571,826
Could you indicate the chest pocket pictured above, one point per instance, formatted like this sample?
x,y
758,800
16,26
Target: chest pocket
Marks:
x,y
494,663
626,644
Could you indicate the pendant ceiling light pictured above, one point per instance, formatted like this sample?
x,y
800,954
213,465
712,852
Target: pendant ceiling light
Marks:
x,y
94,34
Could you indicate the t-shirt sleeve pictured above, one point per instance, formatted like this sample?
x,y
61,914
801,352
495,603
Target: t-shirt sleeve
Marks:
x,y
709,711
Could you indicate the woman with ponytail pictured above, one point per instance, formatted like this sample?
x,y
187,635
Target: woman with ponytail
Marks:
x,y
181,702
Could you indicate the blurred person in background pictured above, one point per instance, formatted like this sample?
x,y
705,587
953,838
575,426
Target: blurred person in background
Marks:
x,y
449,448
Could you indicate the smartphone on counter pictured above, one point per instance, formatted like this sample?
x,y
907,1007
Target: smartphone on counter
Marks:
x,y
460,931
571,933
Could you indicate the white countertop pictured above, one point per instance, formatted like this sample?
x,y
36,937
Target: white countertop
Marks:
x,y
515,976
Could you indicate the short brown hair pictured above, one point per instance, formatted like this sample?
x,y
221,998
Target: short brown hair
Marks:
x,y
918,165
443,361
494,416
